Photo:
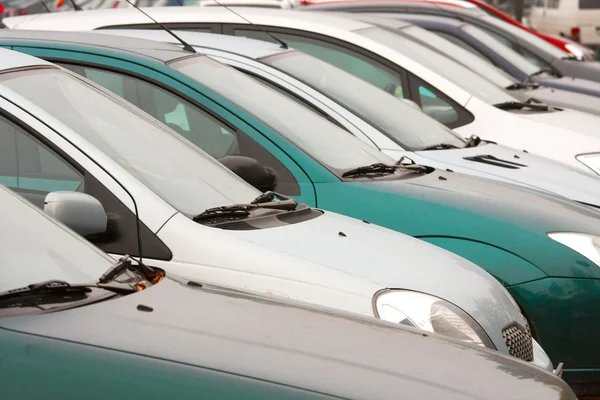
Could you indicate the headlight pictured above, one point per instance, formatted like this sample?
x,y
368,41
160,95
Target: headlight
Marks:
x,y
576,50
592,161
431,314
586,245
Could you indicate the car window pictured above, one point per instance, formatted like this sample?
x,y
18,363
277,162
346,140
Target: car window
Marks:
x,y
589,4
189,120
28,165
435,104
379,75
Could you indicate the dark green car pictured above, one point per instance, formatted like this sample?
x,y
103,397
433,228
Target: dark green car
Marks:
x,y
505,229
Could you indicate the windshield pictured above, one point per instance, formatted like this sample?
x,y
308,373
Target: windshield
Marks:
x,y
35,249
460,75
527,37
187,178
501,49
458,54
322,140
410,128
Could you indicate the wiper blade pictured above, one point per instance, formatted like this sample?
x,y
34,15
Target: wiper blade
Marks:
x,y
540,72
518,105
125,264
440,146
571,57
265,200
521,86
377,169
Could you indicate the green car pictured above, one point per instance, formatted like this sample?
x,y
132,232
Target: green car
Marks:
x,y
541,247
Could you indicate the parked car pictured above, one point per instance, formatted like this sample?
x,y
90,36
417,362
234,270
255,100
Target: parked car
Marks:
x,y
370,114
563,43
80,325
192,217
503,227
347,44
460,52
561,66
576,18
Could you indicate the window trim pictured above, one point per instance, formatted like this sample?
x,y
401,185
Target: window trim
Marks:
x,y
212,27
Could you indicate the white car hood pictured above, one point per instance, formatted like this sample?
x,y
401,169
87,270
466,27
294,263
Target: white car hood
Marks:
x,y
519,168
392,260
578,121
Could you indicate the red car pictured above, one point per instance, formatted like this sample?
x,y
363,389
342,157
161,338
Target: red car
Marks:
x,y
562,43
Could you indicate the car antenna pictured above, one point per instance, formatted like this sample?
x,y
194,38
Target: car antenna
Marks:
x,y
75,6
186,46
281,42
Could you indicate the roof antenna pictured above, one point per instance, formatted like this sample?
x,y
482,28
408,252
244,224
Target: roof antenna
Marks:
x,y
281,42
75,6
186,46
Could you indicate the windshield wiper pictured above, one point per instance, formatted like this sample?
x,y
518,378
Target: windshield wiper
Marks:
x,y
521,86
540,72
440,146
376,169
519,105
265,200
571,57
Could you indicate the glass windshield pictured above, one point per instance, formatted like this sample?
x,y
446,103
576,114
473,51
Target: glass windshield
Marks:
x,y
410,128
35,249
458,54
187,178
455,72
322,140
527,37
501,49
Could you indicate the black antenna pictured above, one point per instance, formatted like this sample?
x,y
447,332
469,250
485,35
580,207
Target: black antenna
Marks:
x,y
281,42
76,6
186,46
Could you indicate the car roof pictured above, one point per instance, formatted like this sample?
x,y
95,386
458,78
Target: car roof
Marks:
x,y
438,19
11,59
377,19
95,19
159,51
250,48
390,6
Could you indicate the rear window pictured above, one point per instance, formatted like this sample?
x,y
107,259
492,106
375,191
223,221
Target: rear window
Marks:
x,y
589,4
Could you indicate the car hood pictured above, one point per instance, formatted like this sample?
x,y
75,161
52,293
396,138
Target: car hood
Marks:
x,y
572,84
565,99
569,119
283,342
517,167
393,260
513,218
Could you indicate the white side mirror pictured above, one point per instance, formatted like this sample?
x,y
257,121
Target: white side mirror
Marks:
x,y
79,211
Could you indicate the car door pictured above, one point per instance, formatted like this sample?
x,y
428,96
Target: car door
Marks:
x,y
35,160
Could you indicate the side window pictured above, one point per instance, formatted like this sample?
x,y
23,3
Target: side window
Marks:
x,y
190,121
498,37
534,59
379,75
30,168
439,106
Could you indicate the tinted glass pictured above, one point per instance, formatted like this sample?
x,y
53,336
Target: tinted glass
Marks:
x,y
450,69
589,4
502,50
410,128
318,137
168,164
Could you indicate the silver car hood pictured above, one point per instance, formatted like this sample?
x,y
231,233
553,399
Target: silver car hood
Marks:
x,y
397,261
565,99
519,168
568,119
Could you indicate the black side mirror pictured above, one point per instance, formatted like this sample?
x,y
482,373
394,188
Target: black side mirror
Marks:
x,y
261,177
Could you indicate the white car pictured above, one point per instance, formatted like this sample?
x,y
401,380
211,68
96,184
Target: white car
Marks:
x,y
371,115
158,189
579,19
358,48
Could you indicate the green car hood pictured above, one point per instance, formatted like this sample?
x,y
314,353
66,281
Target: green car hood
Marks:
x,y
452,205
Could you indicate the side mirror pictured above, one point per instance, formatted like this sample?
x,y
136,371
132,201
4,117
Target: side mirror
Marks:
x,y
79,211
412,104
261,177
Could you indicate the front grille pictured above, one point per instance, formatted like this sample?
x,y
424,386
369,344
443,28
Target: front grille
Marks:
x,y
519,342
